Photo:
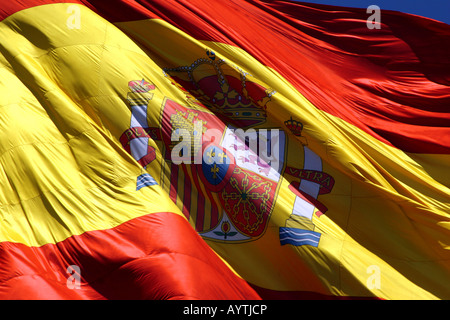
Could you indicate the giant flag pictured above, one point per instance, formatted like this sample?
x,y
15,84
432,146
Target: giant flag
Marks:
x,y
235,149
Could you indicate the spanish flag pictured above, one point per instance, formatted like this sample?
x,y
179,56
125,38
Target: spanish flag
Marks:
x,y
195,149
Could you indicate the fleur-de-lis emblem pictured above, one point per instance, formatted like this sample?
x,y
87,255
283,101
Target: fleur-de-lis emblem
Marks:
x,y
215,169
211,154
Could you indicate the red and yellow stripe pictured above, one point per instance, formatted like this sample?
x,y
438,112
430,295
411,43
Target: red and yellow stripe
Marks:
x,y
373,105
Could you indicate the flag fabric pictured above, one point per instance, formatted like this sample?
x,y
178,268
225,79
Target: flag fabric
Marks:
x,y
232,149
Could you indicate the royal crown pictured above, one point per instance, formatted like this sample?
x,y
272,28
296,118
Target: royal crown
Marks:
x,y
224,89
139,94
294,126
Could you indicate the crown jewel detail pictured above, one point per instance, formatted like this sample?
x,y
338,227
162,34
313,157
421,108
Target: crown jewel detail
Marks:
x,y
225,89
294,126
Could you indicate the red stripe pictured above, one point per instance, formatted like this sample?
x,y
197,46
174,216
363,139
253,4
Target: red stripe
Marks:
x,y
158,256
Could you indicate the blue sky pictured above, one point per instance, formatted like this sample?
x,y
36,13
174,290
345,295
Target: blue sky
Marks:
x,y
435,9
